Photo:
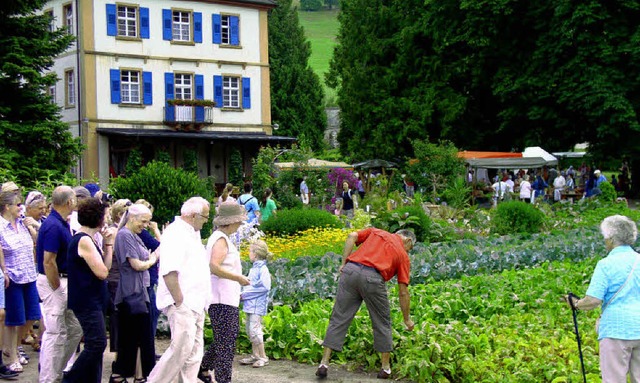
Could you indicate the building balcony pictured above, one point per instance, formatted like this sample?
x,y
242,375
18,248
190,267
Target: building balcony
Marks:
x,y
188,117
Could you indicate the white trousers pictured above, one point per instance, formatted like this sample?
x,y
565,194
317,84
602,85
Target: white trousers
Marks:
x,y
619,358
62,332
181,362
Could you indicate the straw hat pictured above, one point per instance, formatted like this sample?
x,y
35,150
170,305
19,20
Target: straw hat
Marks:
x,y
230,213
10,187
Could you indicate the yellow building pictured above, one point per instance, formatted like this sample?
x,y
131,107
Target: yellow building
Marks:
x,y
168,75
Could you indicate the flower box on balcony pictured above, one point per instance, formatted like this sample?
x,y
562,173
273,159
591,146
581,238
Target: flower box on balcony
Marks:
x,y
207,103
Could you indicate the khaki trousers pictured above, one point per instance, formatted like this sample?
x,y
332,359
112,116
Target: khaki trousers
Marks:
x,y
619,358
62,330
181,362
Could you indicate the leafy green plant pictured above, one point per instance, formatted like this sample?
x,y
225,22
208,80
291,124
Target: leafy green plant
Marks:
x,y
516,217
457,193
165,187
134,162
405,217
609,193
191,161
236,168
291,221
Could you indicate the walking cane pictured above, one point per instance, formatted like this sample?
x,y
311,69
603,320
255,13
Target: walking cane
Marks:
x,y
575,326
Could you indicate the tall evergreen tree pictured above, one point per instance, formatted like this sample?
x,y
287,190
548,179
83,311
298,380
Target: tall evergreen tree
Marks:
x,y
488,75
34,143
296,92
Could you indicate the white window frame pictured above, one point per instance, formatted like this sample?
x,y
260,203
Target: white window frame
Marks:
x,y
130,86
232,92
180,27
69,88
52,23
51,92
183,86
225,29
67,14
127,25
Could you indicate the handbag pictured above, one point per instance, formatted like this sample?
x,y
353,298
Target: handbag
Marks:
x,y
136,303
616,294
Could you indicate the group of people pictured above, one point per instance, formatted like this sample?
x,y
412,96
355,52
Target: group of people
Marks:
x,y
258,211
80,258
538,184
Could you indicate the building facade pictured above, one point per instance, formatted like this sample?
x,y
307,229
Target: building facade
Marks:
x,y
165,75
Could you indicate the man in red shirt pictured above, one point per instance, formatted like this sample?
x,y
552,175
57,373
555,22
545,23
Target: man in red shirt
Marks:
x,y
379,257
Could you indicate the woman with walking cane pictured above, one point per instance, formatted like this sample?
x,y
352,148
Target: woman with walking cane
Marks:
x,y
615,285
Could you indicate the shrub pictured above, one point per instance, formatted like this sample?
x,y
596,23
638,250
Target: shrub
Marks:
x,y
291,221
609,193
516,217
406,217
165,188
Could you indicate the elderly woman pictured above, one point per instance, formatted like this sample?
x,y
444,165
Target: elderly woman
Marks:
x,y
132,297
226,283
88,268
21,295
525,189
615,285
117,212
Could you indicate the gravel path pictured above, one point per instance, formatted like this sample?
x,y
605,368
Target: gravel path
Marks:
x,y
278,371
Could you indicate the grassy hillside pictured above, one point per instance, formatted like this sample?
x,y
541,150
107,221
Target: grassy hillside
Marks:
x,y
321,29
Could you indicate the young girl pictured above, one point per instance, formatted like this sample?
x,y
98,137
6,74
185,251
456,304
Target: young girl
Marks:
x,y
255,298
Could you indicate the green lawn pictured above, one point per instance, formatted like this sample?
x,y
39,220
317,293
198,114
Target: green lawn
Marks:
x,y
321,29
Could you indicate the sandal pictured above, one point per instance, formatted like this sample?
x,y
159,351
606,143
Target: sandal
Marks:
x,y
140,380
117,379
203,377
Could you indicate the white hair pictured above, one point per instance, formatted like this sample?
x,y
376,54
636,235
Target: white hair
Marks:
x,y
134,210
194,205
620,229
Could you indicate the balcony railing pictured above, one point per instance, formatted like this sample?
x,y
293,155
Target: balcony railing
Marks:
x,y
183,117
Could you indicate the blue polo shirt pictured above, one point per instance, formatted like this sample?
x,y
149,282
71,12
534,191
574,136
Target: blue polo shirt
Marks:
x,y
54,236
621,318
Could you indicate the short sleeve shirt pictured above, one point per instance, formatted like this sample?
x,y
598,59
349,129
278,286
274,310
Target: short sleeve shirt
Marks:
x,y
383,251
54,236
129,245
17,246
621,317
267,210
304,189
250,203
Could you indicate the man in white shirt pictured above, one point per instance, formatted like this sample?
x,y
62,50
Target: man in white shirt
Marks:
x,y
558,186
304,191
184,293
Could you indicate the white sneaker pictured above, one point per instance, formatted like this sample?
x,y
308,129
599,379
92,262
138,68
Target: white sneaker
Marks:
x,y
249,360
261,363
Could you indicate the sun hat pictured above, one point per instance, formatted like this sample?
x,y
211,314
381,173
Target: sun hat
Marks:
x,y
93,189
230,213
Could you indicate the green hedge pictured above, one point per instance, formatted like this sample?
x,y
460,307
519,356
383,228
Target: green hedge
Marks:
x,y
516,217
405,217
291,221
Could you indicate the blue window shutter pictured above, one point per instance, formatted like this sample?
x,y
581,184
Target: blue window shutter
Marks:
x,y
170,112
217,28
167,32
197,27
112,23
116,97
246,93
235,30
217,91
199,80
147,88
144,23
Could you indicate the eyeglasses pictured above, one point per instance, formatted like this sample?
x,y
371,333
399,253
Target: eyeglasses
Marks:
x,y
206,217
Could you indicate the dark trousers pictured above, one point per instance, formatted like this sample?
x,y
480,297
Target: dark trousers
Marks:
x,y
112,312
88,366
154,313
225,321
134,332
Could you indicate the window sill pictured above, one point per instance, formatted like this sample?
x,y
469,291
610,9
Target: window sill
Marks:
x,y
128,38
232,109
183,42
69,106
229,46
125,105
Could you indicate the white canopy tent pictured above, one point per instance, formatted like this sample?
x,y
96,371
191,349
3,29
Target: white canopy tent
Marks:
x,y
536,151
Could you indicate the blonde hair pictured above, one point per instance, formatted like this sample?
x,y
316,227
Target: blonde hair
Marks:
x,y
261,250
145,203
227,190
118,209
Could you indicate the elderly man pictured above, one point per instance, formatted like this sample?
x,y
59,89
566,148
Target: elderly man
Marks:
x,y
558,186
62,330
380,256
184,293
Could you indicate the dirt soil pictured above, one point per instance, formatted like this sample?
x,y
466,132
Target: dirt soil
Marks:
x,y
278,371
